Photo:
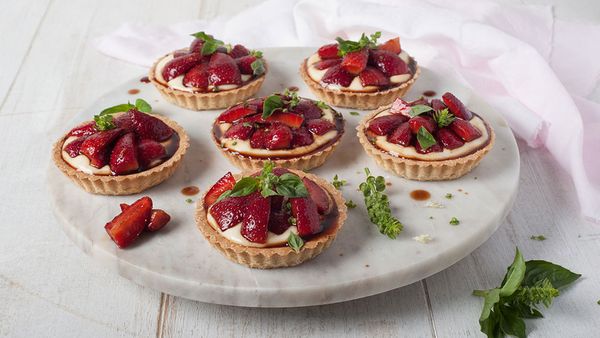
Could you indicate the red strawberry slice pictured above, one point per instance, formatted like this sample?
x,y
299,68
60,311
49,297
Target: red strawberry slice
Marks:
x,y
278,136
124,156
289,119
372,76
324,64
449,139
319,126
465,130
158,219
256,103
389,63
308,109
337,76
420,101
401,135
279,221
355,62
127,226
180,65
196,45
400,107
150,151
228,212
319,196
422,121
307,216
223,184
97,147
238,51
197,77
258,140
74,147
456,106
328,51
433,149
223,70
241,131
124,121
437,104
255,226
301,137
384,125
85,129
391,45
236,112
245,64
123,206
280,171
147,126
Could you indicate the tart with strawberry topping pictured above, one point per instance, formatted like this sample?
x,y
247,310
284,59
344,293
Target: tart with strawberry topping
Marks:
x,y
124,150
426,140
209,74
291,131
360,74
273,218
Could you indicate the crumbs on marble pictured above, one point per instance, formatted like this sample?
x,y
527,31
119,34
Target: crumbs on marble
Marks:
x,y
424,239
434,205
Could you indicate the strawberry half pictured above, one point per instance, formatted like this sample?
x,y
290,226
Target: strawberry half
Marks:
x,y
74,147
279,221
383,125
127,226
324,64
289,119
355,62
433,149
319,126
465,130
245,64
238,51
258,139
278,136
391,45
255,226
158,219
456,107
337,76
307,216
308,109
197,77
196,45
417,122
223,70
85,129
401,135
437,105
223,184
239,131
124,121
372,76
180,65
97,146
150,151
124,156
236,112
319,196
449,139
329,51
301,137
389,63
147,126
228,212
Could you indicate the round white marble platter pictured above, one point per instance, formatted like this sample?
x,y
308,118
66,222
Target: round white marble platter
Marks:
x,y
361,262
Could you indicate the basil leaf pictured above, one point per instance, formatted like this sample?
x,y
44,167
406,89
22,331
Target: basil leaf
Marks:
x,y
210,44
143,106
425,138
271,104
295,242
349,46
290,186
525,311
244,187
490,326
257,54
117,109
538,270
510,323
258,67
104,122
514,276
490,300
419,109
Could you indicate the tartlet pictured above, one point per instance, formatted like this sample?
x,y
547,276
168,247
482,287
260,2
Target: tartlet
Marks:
x,y
360,74
291,131
121,152
271,232
209,74
426,141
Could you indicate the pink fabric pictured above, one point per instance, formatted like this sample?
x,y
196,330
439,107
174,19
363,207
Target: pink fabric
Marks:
x,y
537,71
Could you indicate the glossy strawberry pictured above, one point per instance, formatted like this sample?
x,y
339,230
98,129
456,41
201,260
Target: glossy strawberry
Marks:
x,y
401,135
197,77
256,103
307,216
372,76
355,62
124,121
391,45
123,206
124,156
308,109
278,136
127,226
85,129
437,104
433,149
74,147
319,196
384,125
158,219
449,139
97,147
255,226
237,112
389,63
422,121
241,131
150,151
228,212
328,51
223,184
301,137
337,76
456,107
289,119
196,45
245,64
180,65
465,130
147,126
319,126
279,221
324,64
223,70
258,139
238,51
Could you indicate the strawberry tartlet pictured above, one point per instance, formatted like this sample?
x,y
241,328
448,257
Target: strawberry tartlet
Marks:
x,y
426,140
360,74
209,74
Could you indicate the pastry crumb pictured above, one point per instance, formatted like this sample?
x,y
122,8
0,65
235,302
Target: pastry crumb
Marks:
x,y
425,238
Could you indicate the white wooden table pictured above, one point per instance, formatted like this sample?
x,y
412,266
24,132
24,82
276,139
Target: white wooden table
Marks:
x,y
48,287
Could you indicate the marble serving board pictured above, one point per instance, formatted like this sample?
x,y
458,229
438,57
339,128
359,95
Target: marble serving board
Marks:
x,y
361,262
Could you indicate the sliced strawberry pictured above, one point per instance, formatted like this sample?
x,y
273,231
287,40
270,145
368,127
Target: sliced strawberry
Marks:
x,y
228,212
150,151
223,184
384,125
336,75
74,147
179,53
223,70
433,149
180,65
241,131
85,129
319,196
301,137
196,45
401,135
258,139
279,221
158,219
324,64
389,63
147,126
197,77
391,45
124,156
465,130
245,64
238,51
328,51
123,206
127,226
456,107
355,62
400,107
124,121
308,109
255,226
319,126
280,171
256,103
307,216
449,139
278,136
236,112
97,147
372,76
437,104
422,121
289,119
420,101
